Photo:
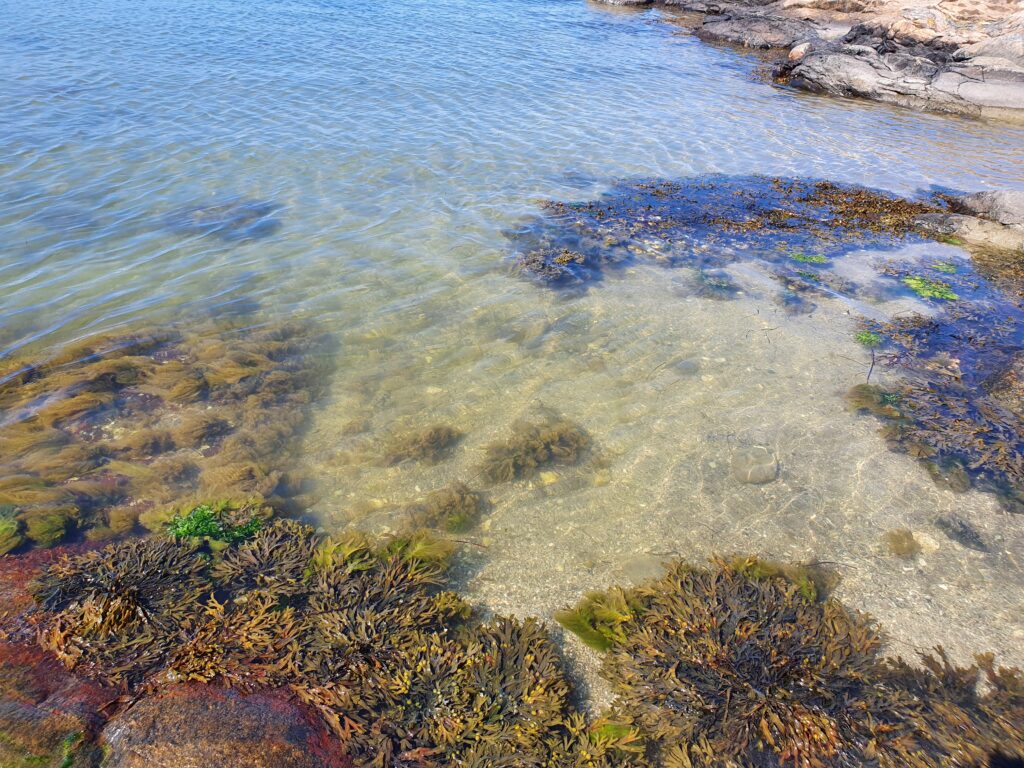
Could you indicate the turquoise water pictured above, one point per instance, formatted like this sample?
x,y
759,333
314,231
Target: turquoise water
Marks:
x,y
365,162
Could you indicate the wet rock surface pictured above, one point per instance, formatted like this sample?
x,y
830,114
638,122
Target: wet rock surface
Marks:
x,y
755,30
198,726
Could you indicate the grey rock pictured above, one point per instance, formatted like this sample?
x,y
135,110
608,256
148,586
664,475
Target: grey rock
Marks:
x,y
755,465
972,231
1003,206
962,532
903,65
756,30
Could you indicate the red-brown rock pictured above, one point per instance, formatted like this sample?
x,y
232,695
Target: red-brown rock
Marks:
x,y
202,726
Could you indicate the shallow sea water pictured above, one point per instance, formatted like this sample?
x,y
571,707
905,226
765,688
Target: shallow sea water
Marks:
x,y
395,145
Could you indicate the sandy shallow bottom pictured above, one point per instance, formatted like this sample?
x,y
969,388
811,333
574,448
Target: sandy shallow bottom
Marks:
x,y
670,386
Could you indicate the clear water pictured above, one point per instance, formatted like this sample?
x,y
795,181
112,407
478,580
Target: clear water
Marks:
x,y
400,141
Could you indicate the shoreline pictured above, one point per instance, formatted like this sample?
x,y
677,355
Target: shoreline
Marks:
x,y
955,59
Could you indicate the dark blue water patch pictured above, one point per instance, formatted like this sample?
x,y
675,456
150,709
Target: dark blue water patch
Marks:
x,y
707,222
230,220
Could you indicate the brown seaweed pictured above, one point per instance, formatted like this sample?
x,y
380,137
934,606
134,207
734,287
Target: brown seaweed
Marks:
x,y
454,509
430,445
116,428
533,445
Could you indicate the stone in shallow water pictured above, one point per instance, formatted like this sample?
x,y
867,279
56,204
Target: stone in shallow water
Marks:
x,y
197,726
755,465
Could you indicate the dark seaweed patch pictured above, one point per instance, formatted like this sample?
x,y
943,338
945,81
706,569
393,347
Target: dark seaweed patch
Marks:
x,y
707,222
744,662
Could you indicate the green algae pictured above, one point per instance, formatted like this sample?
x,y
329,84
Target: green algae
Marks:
x,y
210,521
805,258
868,339
927,288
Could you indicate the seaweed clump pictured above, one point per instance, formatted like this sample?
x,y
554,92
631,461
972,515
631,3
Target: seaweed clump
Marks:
x,y
455,509
122,430
533,445
708,222
743,663
118,611
430,445
361,629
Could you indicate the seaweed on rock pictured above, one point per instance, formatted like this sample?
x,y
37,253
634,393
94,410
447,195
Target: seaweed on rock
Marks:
x,y
117,429
533,445
119,610
741,663
745,662
274,562
708,221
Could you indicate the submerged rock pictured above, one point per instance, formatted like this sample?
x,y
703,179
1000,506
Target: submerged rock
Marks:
x,y
706,222
197,726
240,219
755,465
47,715
962,532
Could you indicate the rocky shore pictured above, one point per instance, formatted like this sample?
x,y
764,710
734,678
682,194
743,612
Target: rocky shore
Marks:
x,y
963,57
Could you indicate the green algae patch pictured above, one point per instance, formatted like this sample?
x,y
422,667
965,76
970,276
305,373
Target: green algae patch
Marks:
x,y
927,288
119,431
808,258
214,522
868,339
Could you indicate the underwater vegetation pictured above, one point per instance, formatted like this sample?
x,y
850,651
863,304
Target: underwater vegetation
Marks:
x,y
741,662
705,222
533,445
430,445
901,542
455,509
360,629
746,663
956,407
216,522
122,430
927,288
